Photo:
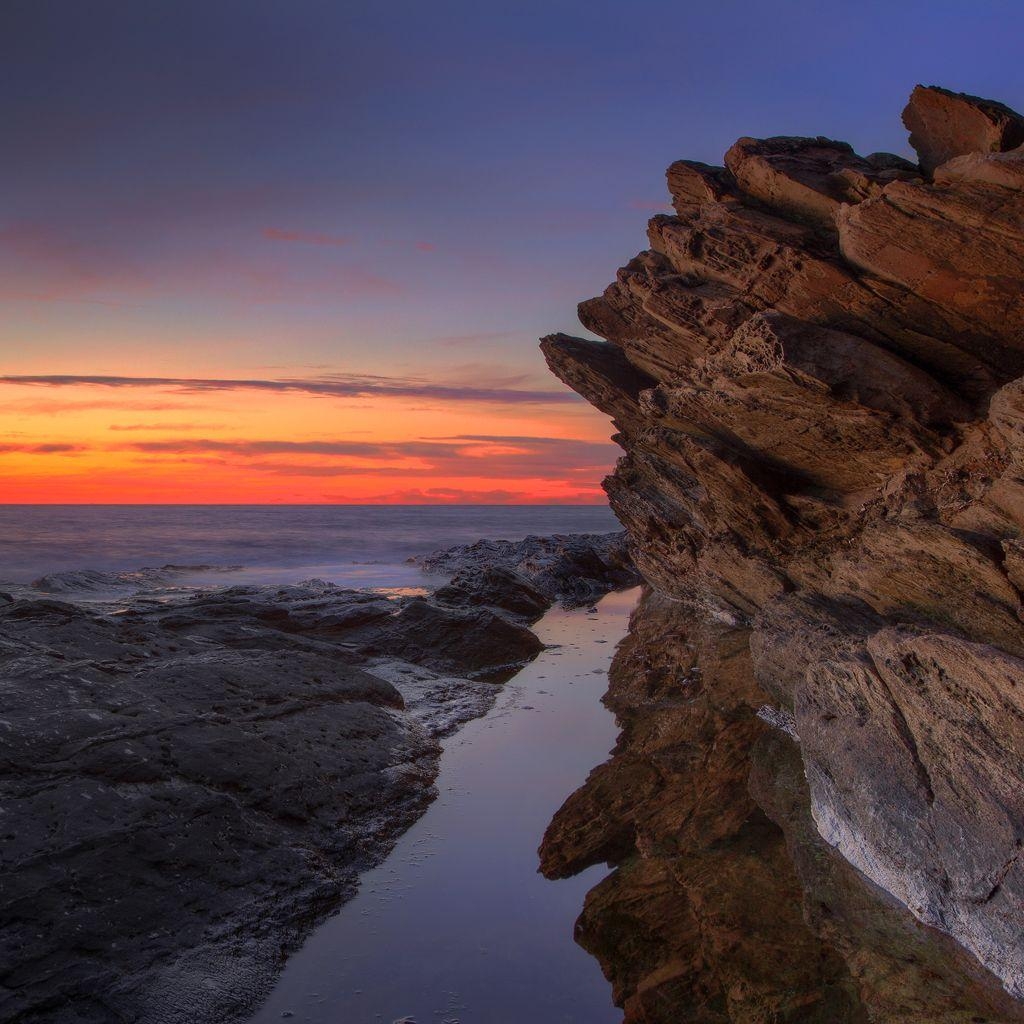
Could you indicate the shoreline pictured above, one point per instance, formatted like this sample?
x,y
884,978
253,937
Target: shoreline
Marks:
x,y
194,782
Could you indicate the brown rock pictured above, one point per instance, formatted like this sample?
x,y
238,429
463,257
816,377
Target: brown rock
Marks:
x,y
725,904
851,368
816,375
1005,169
663,321
770,263
600,373
913,751
905,972
806,179
958,249
691,182
824,408
944,124
701,920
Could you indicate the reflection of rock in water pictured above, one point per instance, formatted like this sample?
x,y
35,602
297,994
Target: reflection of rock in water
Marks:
x,y
725,903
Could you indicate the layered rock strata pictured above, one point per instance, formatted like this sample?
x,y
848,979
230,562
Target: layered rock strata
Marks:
x,y
815,371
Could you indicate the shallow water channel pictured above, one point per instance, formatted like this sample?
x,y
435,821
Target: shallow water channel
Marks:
x,y
457,925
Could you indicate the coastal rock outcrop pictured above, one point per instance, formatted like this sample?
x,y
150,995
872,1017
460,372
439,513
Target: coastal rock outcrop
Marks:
x,y
526,577
816,374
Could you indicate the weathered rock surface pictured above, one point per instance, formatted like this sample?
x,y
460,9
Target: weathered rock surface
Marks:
x,y
178,811
190,783
944,124
496,586
815,373
516,576
726,904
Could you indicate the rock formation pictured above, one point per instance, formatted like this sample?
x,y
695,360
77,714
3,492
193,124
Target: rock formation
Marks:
x,y
816,374
527,576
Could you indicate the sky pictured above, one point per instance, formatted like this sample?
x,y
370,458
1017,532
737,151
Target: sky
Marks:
x,y
302,250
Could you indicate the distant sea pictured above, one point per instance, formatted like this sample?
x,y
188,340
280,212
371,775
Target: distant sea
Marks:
x,y
353,545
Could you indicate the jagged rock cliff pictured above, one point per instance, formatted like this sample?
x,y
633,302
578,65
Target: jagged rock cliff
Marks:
x,y
815,372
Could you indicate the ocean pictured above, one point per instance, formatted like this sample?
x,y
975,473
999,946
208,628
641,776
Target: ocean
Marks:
x,y
352,545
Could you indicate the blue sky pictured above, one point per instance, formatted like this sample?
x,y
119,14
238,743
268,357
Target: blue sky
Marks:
x,y
237,188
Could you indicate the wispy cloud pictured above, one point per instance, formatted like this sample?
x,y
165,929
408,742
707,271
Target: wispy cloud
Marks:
x,y
281,283
460,456
337,241
357,449
461,445
21,296
469,496
140,427
523,439
41,449
330,385
652,205
480,338
46,263
306,237
51,406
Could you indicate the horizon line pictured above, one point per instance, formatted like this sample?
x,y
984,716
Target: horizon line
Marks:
x,y
303,504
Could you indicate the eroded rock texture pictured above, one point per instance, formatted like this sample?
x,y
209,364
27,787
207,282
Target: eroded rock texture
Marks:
x,y
525,577
815,371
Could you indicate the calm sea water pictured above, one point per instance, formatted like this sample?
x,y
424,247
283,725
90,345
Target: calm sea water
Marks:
x,y
355,545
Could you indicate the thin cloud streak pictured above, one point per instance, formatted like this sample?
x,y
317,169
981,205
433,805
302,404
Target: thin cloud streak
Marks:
x,y
163,426
458,496
41,449
480,338
308,237
358,449
523,439
459,445
332,385
469,456
51,406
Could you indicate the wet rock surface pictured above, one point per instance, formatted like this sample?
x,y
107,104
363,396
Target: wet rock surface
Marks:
x,y
815,373
190,784
573,569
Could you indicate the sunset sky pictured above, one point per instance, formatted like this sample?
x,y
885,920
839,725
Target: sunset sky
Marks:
x,y
302,251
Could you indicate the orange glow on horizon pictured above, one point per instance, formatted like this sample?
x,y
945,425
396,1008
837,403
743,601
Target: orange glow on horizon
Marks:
x,y
85,443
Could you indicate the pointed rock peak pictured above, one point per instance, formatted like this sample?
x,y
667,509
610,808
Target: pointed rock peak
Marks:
x,y
944,124
691,182
807,179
